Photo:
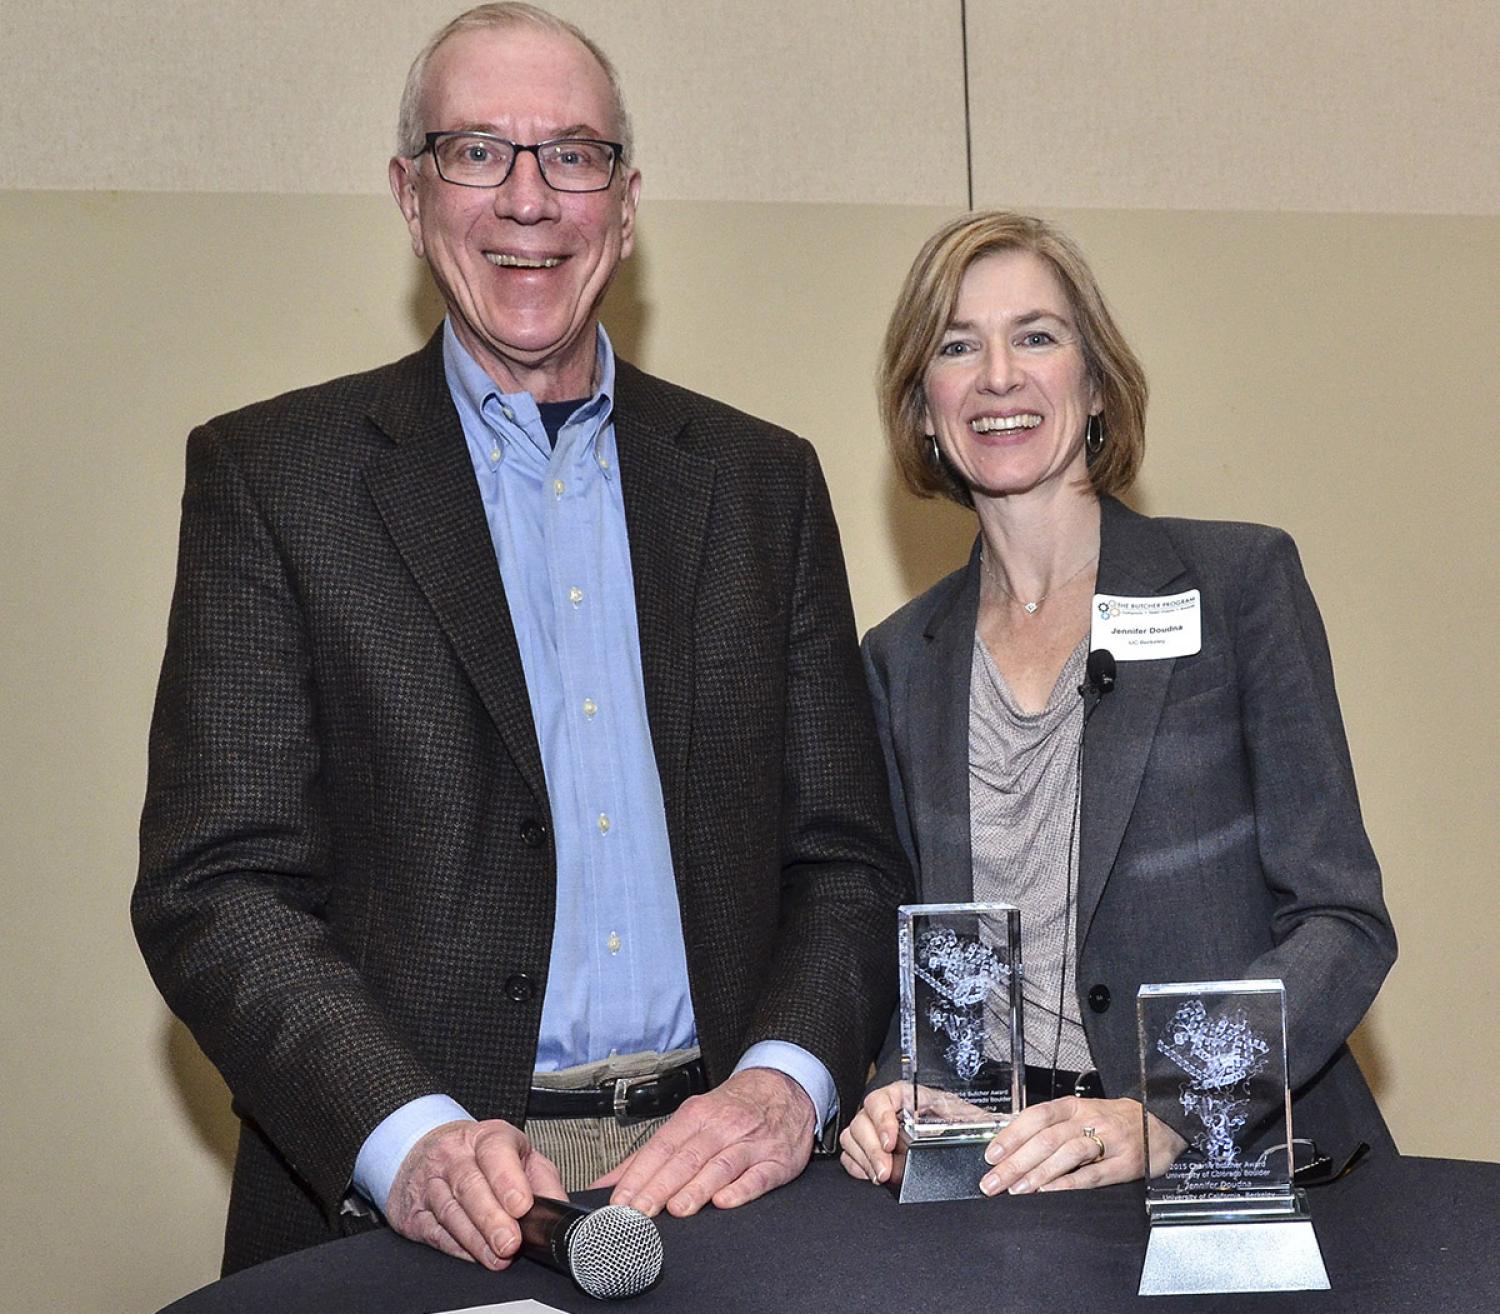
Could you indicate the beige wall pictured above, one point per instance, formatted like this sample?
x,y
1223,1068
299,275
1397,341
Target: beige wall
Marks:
x,y
1331,371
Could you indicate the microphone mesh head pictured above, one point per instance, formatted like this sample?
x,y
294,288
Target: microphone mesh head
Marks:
x,y
615,1251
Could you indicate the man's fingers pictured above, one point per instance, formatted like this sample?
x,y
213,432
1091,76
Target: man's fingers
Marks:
x,y
498,1151
462,1187
720,1166
544,1178
756,1117
754,1182
613,1175
474,1198
649,1175
473,1224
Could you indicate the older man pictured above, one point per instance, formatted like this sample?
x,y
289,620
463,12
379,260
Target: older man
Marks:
x,y
511,765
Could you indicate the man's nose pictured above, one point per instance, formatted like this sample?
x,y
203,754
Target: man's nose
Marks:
x,y
525,196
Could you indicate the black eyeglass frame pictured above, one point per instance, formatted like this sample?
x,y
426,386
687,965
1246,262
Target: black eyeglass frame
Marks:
x,y
617,155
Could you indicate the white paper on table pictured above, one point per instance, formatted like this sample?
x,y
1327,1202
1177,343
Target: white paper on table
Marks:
x,y
510,1307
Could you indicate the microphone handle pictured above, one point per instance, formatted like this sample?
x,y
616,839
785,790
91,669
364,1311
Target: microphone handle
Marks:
x,y
546,1229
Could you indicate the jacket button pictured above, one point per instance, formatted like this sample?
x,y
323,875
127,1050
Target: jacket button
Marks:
x,y
518,987
1099,998
533,833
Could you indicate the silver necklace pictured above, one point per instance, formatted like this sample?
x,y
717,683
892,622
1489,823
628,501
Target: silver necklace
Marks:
x,y
1028,607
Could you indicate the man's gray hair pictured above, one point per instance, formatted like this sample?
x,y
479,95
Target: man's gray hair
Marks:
x,y
411,132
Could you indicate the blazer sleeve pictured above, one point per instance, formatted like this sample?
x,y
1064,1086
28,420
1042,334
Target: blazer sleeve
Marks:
x,y
235,848
1333,938
831,984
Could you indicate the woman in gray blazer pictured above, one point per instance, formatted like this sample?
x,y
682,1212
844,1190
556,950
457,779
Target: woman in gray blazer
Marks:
x,y
1206,827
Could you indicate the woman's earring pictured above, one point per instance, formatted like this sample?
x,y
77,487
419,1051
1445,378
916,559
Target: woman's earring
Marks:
x,y
1093,436
934,452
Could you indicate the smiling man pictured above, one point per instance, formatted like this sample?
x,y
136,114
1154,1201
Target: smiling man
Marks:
x,y
515,819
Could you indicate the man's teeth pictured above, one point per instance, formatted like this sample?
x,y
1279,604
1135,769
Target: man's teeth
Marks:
x,y
1001,423
506,261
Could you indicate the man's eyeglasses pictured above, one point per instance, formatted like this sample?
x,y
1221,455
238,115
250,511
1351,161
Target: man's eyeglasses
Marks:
x,y
567,164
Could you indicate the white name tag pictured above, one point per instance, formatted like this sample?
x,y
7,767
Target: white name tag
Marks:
x,y
1138,629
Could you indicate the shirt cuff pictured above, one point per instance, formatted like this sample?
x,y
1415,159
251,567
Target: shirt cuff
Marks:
x,y
807,1071
381,1156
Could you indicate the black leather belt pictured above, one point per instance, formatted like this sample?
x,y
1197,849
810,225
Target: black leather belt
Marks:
x,y
625,1099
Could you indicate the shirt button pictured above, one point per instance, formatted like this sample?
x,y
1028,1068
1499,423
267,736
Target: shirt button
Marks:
x,y
494,453
613,943
507,412
558,487
604,463
575,595
589,708
604,823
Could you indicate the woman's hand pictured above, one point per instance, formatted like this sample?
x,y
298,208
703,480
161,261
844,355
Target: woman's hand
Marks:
x,y
1047,1149
869,1141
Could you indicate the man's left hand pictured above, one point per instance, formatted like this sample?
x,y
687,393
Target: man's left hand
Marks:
x,y
729,1146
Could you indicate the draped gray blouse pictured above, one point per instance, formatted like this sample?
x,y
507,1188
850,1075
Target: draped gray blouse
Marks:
x,y
1023,816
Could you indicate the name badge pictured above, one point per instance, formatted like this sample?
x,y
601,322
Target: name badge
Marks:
x,y
1139,629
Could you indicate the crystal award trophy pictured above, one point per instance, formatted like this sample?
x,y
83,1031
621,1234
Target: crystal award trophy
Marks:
x,y
962,1056
1225,1215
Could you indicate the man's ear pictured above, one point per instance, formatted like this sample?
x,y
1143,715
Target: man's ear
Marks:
x,y
629,199
403,178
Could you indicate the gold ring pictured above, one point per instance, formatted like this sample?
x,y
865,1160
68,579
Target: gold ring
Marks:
x,y
1093,1135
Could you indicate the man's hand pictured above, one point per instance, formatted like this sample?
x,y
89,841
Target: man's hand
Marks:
x,y
462,1186
731,1145
1046,1148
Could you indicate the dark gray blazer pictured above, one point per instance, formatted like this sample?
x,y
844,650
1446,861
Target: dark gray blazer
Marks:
x,y
347,875
1220,831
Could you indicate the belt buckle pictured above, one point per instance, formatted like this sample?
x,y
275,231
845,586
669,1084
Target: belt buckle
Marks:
x,y
623,1087
1084,1082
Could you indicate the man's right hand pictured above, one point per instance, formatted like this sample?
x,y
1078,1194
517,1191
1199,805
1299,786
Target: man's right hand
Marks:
x,y
462,1187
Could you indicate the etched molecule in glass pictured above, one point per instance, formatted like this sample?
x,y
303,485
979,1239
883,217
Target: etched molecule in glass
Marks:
x,y
1213,1068
961,1041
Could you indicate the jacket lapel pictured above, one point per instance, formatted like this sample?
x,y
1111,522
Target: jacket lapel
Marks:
x,y
425,491
668,492
1137,559
940,744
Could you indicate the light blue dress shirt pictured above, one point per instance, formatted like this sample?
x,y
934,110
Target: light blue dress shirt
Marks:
x,y
617,981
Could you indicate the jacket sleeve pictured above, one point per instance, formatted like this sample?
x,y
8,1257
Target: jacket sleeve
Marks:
x,y
236,853
1333,938
831,982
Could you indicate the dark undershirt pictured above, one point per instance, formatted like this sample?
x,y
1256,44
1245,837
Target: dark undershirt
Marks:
x,y
556,414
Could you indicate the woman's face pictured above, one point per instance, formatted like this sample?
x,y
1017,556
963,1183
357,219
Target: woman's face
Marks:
x,y
1008,394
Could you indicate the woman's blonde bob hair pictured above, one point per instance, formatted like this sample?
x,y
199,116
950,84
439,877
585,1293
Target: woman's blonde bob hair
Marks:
x,y
922,315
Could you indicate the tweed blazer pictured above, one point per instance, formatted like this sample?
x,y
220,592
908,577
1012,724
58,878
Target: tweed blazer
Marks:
x,y
1220,833
347,880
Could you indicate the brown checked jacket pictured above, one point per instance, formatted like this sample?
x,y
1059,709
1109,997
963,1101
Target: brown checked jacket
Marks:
x,y
347,880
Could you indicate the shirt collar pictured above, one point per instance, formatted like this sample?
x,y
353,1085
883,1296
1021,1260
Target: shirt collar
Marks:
x,y
514,415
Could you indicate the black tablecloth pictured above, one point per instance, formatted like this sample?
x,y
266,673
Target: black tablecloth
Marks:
x,y
1397,1235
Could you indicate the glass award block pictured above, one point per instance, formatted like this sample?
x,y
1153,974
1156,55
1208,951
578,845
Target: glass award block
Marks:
x,y
962,1056
1213,1068
1224,1215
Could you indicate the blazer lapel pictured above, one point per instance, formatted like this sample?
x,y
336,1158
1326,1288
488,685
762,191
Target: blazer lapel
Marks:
x,y
1135,558
668,492
940,746
424,490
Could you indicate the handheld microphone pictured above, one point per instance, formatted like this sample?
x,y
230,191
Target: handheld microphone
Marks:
x,y
611,1252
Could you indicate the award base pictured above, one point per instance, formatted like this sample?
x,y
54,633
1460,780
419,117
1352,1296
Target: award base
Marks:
x,y
943,1168
1198,1255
